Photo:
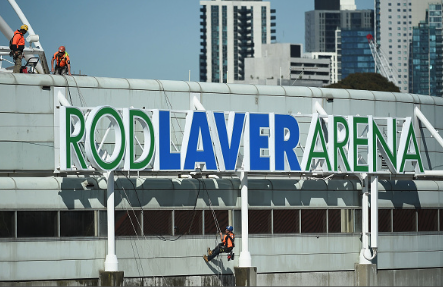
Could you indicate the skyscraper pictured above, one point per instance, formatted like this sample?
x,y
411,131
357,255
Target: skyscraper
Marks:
x,y
395,21
425,55
231,32
320,26
354,52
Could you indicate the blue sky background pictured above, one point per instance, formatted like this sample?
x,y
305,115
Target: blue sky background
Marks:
x,y
140,39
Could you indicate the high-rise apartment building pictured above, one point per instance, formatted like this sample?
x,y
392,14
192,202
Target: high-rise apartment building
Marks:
x,y
354,52
425,55
231,32
320,26
394,23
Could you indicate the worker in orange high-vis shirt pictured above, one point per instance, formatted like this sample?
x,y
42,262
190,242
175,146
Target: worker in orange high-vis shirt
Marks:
x,y
225,246
17,45
63,63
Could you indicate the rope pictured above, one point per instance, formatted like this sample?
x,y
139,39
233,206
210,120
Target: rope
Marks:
x,y
219,265
133,226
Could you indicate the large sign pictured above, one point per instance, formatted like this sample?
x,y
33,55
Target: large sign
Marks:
x,y
212,141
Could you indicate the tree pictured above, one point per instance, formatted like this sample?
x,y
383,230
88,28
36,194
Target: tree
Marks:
x,y
365,81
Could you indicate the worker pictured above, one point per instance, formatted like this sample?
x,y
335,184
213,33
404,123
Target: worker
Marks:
x,y
63,63
225,246
17,45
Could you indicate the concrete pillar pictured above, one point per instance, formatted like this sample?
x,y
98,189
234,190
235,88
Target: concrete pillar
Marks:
x,y
245,276
111,278
365,275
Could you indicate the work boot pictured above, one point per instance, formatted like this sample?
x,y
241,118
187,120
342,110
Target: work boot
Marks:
x,y
205,258
209,251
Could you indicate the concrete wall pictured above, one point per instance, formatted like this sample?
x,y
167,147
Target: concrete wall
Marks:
x,y
28,181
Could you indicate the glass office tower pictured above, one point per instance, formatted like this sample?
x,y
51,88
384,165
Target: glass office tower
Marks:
x,y
355,53
425,56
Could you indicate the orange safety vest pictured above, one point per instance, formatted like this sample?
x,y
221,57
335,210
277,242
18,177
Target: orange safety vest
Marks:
x,y
61,61
18,41
229,242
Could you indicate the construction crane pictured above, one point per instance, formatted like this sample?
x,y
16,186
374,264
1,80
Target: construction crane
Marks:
x,y
381,64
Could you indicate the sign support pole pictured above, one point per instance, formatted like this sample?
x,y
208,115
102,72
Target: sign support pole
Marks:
x,y
365,253
245,257
111,262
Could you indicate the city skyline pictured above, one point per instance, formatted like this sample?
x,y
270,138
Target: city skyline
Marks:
x,y
144,43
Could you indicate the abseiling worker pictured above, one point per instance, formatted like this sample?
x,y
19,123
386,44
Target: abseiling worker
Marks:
x,y
17,46
63,63
226,246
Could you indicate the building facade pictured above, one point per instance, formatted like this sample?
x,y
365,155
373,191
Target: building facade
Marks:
x,y
54,223
286,64
395,21
321,26
425,58
354,52
231,32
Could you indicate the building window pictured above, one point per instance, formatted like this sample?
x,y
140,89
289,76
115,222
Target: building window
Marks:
x,y
127,223
157,222
259,221
404,220
427,220
222,217
286,220
77,223
7,224
313,221
188,222
441,219
37,224
384,220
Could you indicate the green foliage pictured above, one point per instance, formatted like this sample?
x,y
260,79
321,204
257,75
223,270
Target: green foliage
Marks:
x,y
365,81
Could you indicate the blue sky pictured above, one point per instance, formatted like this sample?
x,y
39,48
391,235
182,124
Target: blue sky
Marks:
x,y
140,39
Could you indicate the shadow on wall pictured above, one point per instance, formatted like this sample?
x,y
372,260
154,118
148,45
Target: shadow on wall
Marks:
x,y
167,192
400,193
